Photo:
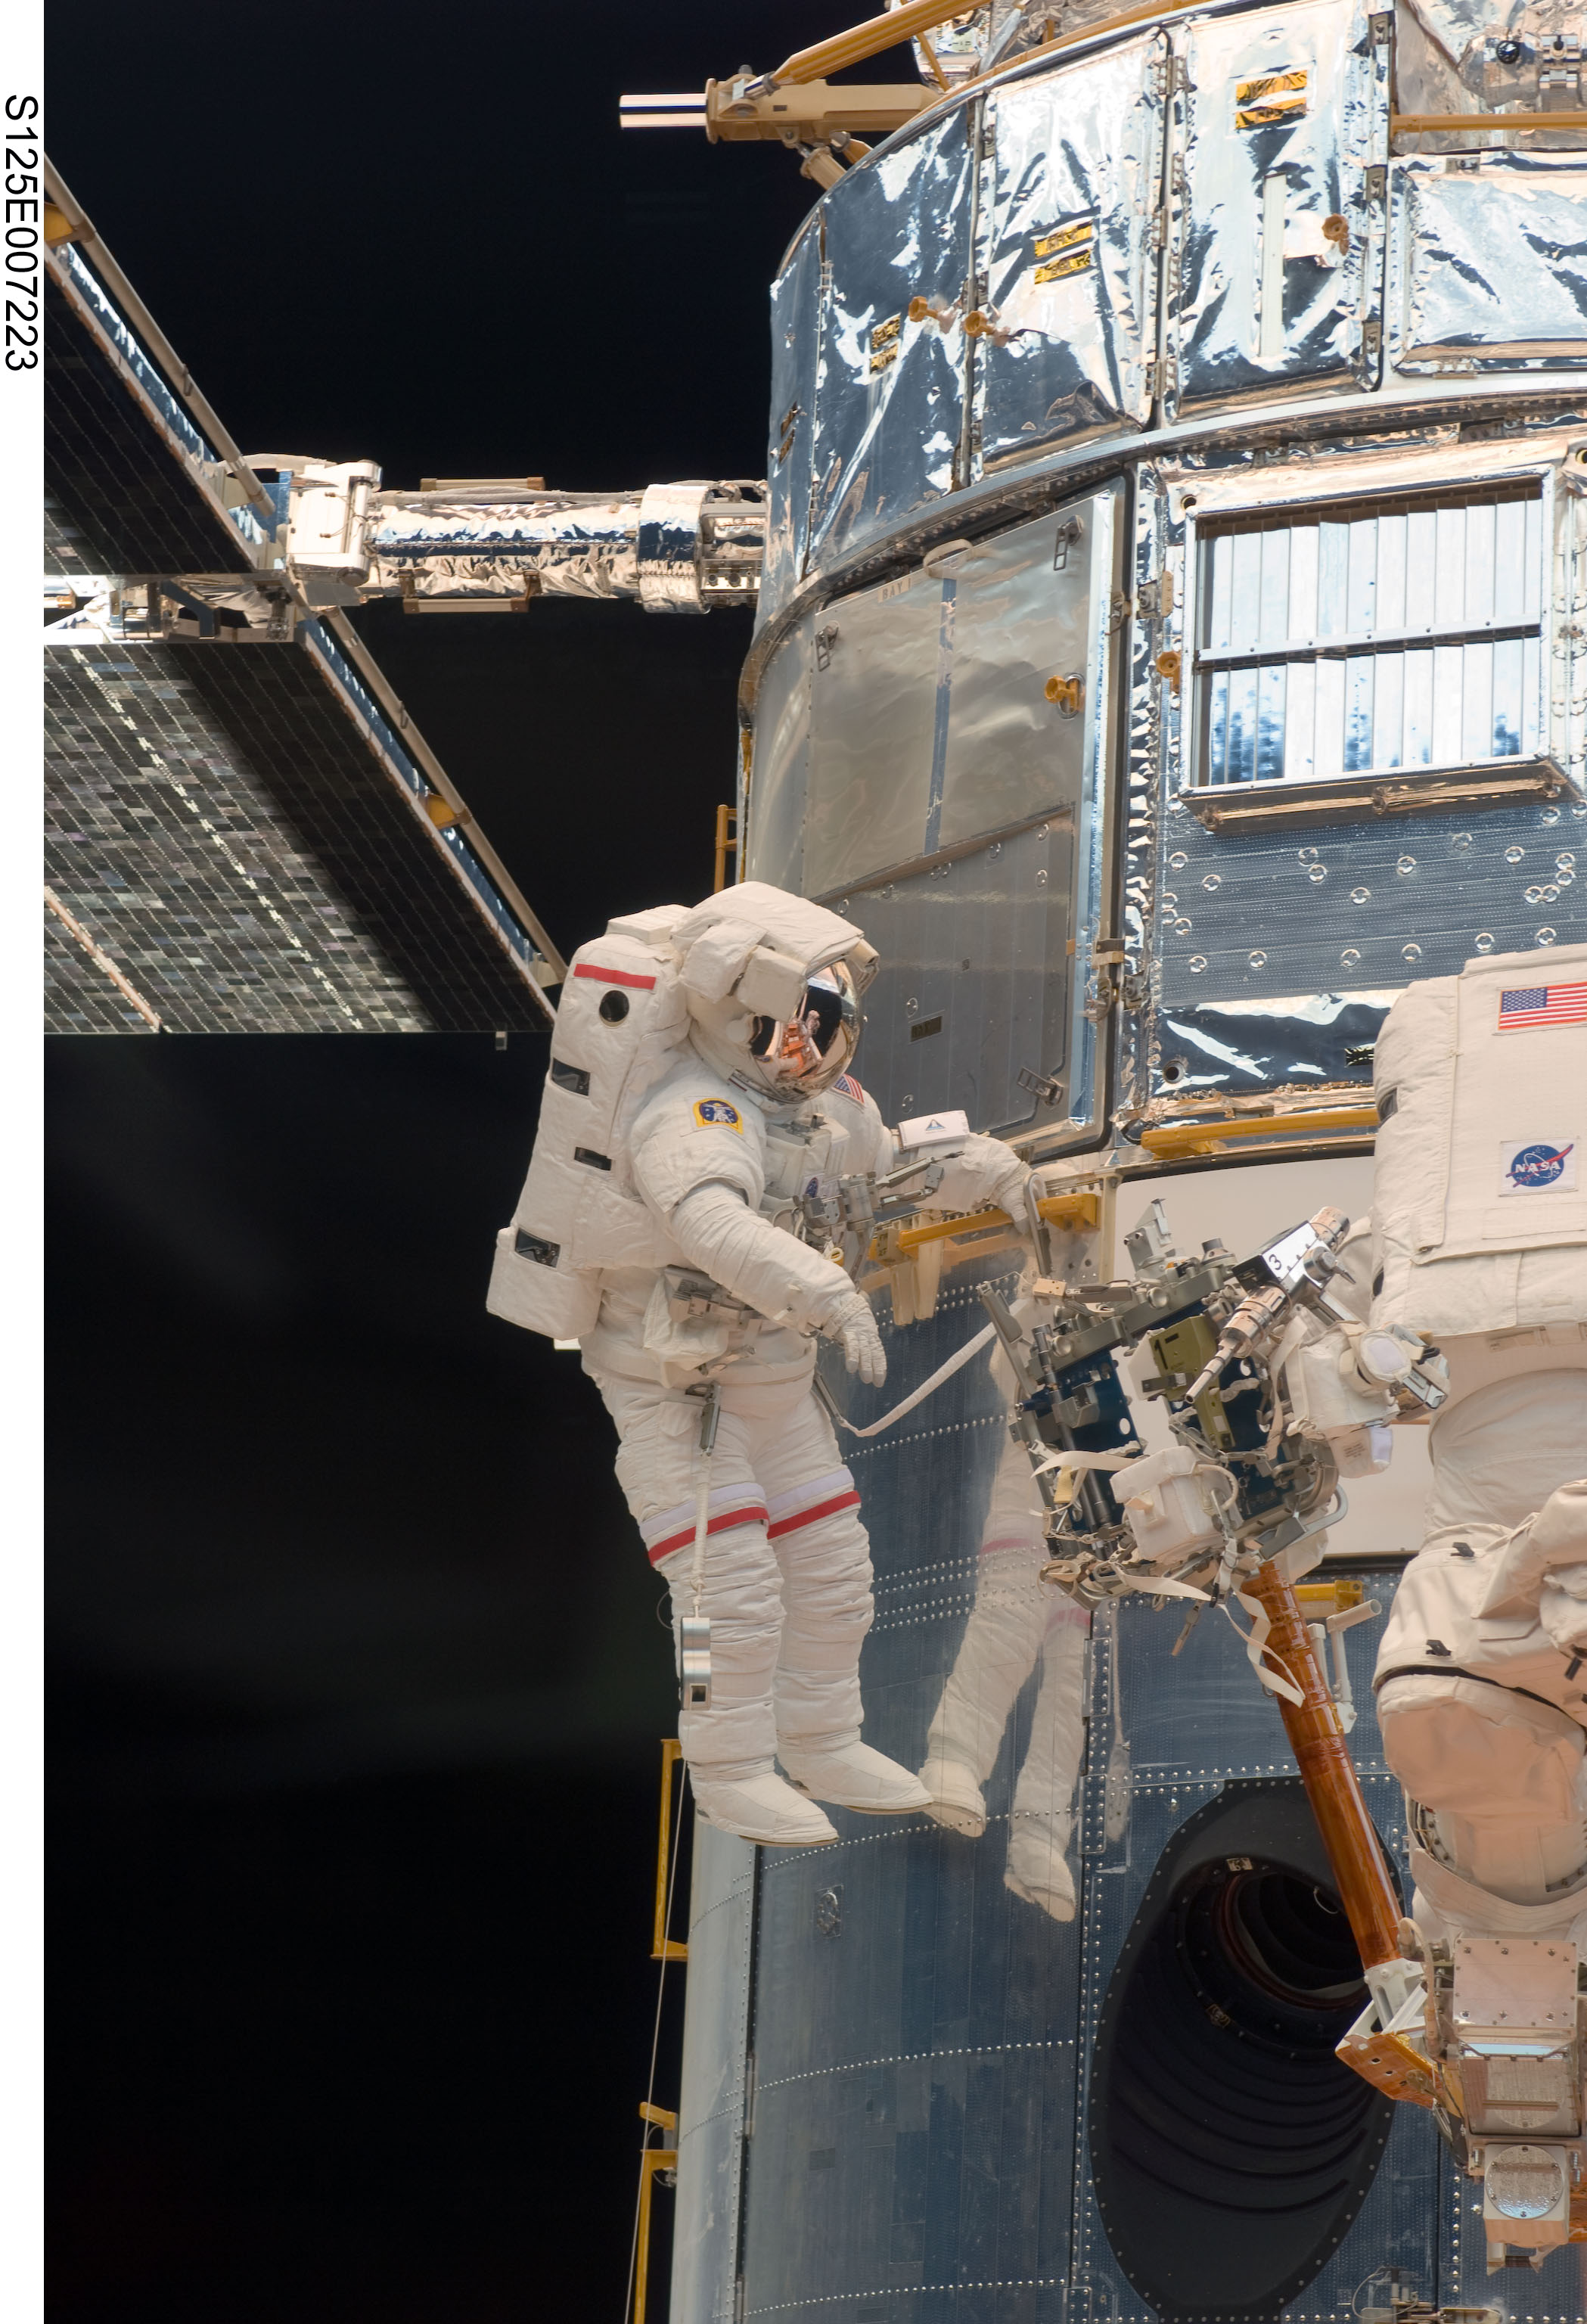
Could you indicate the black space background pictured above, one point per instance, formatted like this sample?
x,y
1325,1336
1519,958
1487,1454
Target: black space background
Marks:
x,y
357,1680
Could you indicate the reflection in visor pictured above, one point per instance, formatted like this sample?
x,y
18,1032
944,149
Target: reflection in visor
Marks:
x,y
811,1047
821,1011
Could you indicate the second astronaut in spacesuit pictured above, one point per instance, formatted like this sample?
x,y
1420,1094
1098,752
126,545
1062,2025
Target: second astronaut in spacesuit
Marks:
x,y
697,1219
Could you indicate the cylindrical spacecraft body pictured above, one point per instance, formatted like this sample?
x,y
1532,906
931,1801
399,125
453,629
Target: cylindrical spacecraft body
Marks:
x,y
1173,641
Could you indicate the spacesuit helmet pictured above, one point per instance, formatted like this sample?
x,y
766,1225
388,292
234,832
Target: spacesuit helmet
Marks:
x,y
773,985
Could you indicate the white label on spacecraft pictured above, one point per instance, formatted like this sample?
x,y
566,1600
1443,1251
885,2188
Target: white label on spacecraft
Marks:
x,y
1538,1166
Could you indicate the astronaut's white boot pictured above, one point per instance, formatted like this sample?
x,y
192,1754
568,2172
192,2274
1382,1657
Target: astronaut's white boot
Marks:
x,y
760,1807
852,1776
953,1796
1037,1869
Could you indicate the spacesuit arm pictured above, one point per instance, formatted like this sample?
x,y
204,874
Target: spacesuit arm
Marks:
x,y
776,1274
770,1271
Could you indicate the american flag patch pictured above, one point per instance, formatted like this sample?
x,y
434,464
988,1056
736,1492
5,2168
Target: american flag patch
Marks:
x,y
1528,1006
851,1087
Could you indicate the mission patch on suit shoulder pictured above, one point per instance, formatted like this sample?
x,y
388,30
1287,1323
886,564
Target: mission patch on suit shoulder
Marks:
x,y
716,1113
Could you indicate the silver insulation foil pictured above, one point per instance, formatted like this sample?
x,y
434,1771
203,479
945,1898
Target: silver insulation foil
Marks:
x,y
673,547
1068,251
1274,245
1489,263
890,389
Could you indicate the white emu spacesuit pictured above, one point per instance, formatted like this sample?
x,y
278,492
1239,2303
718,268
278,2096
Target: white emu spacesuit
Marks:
x,y
1017,1622
1480,1240
677,1221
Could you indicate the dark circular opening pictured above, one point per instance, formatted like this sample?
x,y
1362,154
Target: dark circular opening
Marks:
x,y
615,1006
1231,2149
1279,1951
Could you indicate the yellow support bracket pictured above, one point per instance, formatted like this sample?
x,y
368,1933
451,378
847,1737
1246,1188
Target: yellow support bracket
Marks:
x,y
1173,1141
662,1946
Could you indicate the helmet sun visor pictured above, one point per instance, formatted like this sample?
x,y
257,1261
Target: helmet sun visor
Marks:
x,y
809,1049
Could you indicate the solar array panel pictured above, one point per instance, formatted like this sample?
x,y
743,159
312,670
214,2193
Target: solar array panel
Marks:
x,y
113,469
216,823
238,841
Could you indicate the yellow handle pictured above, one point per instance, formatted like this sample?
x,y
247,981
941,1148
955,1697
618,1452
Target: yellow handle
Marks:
x,y
1174,1139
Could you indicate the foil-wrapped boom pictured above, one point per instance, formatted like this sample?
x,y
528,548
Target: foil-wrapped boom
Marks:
x,y
676,548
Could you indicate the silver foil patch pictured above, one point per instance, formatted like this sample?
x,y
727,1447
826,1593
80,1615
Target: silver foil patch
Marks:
x,y
1069,251
1488,268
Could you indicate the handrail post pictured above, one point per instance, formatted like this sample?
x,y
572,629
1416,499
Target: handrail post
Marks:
x,y
662,1946
653,2160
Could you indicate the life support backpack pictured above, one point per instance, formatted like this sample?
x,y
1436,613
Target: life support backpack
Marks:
x,y
1478,1196
620,1023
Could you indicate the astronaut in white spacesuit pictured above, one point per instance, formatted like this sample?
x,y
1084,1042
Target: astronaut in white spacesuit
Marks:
x,y
678,1221
1017,1622
1480,1240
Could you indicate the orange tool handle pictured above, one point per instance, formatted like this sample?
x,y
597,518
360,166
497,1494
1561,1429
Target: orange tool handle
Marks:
x,y
1328,1773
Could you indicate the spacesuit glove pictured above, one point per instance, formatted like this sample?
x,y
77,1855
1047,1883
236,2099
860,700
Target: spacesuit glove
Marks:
x,y
980,1173
851,1323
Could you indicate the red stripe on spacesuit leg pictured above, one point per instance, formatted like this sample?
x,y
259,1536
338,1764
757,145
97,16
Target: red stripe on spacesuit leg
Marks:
x,y
808,1517
753,1514
614,976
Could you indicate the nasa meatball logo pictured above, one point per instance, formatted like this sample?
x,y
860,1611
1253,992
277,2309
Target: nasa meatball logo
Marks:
x,y
1538,1166
716,1113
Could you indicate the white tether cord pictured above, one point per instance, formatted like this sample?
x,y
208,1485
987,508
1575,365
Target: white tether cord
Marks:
x,y
926,1387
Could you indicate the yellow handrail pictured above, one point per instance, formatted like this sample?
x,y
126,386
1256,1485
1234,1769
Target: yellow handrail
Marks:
x,y
1083,1210
1439,125
1172,1141
726,845
662,1946
654,2160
